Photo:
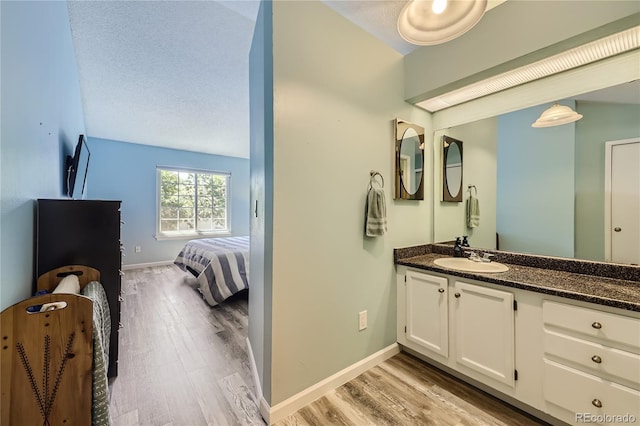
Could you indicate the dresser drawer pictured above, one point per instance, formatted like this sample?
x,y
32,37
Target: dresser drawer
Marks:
x,y
616,364
579,393
610,329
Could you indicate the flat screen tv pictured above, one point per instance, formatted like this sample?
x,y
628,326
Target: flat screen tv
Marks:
x,y
77,167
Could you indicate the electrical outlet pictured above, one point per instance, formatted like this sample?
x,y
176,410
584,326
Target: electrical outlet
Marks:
x,y
138,249
362,320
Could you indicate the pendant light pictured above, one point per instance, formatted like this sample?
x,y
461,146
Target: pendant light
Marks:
x,y
556,115
428,22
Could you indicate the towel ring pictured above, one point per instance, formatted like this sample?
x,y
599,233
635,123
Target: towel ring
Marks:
x,y
474,188
373,175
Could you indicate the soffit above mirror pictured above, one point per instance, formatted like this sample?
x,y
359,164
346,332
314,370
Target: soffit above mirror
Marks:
x,y
528,68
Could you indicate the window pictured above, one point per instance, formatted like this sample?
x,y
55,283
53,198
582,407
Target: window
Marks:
x,y
192,202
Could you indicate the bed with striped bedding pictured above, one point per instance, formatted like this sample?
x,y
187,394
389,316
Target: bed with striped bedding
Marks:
x,y
221,266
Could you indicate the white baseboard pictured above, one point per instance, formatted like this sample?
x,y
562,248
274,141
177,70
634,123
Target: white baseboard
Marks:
x,y
146,265
307,396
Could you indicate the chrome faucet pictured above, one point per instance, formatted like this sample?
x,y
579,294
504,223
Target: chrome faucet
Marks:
x,y
473,256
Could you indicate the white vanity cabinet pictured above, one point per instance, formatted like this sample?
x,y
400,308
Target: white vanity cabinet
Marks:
x,y
427,312
562,360
484,331
464,326
591,364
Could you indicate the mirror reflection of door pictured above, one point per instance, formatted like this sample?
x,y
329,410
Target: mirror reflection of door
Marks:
x,y
405,172
624,207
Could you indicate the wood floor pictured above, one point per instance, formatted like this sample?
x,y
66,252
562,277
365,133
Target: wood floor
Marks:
x,y
183,363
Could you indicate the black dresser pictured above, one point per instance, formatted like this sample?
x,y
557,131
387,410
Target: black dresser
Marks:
x,y
83,232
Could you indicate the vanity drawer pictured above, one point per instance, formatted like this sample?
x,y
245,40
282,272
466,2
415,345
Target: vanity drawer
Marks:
x,y
596,358
610,329
579,392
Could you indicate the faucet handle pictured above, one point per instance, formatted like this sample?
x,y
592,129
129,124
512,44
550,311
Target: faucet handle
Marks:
x,y
472,255
486,257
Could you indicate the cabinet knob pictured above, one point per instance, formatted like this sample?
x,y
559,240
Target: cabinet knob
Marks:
x,y
596,325
441,290
617,229
596,359
457,295
597,403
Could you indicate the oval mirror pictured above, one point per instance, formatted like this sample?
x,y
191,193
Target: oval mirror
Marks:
x,y
410,161
452,173
409,153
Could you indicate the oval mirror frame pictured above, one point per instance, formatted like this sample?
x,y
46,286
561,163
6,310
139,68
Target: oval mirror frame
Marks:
x,y
409,148
451,169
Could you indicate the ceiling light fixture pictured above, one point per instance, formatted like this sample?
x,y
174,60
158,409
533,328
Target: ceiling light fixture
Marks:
x,y
428,22
556,116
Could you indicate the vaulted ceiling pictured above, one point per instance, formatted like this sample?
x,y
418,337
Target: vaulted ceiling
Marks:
x,y
175,73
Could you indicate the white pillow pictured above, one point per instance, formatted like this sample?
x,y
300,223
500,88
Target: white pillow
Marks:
x,y
69,284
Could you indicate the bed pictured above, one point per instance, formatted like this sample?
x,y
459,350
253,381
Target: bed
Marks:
x,y
221,266
55,349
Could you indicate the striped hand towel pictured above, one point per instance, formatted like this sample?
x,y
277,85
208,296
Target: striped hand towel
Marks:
x,y
473,212
375,213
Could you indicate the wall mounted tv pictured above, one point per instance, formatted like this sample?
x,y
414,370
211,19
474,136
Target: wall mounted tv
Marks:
x,y
77,167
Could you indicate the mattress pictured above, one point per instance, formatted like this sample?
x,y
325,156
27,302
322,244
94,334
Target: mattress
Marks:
x,y
221,266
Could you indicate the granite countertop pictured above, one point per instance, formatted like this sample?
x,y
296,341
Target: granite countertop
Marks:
x,y
602,290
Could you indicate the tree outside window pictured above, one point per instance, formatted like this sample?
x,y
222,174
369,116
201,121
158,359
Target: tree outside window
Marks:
x,y
192,202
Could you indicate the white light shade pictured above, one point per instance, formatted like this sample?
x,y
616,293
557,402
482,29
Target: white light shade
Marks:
x,y
556,115
419,24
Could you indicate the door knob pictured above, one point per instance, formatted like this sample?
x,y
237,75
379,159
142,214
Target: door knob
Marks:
x,y
617,229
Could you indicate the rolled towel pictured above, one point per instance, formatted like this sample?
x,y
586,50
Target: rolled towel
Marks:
x,y
473,212
69,284
375,213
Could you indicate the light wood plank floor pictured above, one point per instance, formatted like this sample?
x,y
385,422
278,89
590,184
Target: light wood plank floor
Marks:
x,y
183,363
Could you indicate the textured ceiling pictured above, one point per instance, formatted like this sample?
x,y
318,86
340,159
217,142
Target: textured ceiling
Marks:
x,y
166,73
175,73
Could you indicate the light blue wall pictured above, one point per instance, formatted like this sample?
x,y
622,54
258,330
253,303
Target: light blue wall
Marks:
x,y
127,172
262,139
41,120
535,190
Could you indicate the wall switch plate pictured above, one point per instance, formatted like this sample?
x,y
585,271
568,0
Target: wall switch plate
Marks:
x,y
362,320
138,249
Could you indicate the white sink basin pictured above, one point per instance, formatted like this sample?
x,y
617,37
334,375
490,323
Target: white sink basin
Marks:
x,y
464,264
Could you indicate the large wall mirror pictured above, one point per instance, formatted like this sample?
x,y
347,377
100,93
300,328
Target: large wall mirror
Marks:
x,y
451,169
542,190
409,148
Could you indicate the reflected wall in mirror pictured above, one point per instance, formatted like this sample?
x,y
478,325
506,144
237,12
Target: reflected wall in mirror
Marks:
x,y
409,148
451,169
542,190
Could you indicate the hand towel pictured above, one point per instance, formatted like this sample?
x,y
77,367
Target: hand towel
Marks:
x,y
473,212
375,213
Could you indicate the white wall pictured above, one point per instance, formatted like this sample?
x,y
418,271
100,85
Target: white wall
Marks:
x,y
41,120
336,92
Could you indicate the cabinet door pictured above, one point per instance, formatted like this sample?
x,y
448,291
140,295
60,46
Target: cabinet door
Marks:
x,y
427,312
484,331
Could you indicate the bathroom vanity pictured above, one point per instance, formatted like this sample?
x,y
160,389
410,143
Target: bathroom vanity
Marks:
x,y
558,338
